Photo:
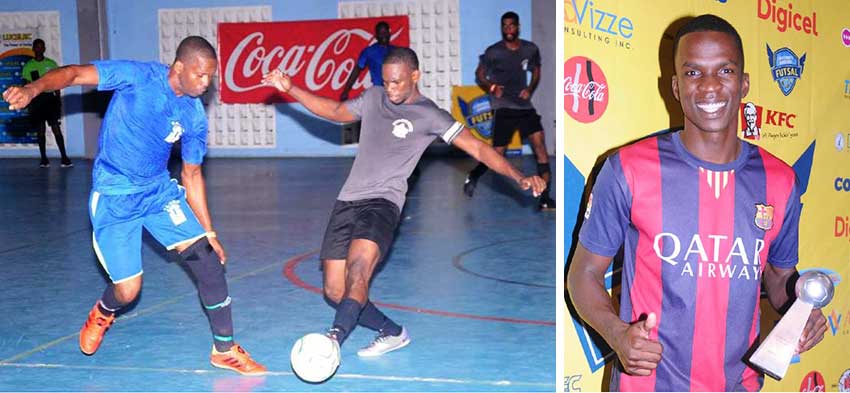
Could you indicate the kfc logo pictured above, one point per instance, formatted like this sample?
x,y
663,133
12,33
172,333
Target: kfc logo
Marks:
x,y
585,89
758,123
751,116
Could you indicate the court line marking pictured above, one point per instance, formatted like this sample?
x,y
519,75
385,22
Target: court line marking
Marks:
x,y
289,273
279,373
456,261
132,315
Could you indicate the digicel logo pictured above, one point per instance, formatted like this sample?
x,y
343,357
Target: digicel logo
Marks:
x,y
785,18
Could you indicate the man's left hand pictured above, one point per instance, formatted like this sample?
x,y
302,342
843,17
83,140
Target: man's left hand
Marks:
x,y
525,94
218,248
813,332
535,183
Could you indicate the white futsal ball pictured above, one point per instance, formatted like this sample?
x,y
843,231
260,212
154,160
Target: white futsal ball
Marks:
x,y
314,357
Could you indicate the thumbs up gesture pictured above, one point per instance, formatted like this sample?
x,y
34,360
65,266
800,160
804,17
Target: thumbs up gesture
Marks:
x,y
639,354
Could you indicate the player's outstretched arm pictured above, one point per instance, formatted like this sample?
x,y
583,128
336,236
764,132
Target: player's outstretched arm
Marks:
x,y
320,106
192,179
355,73
19,97
495,161
638,352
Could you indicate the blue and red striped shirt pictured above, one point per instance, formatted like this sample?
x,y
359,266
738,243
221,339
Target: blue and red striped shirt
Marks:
x,y
696,237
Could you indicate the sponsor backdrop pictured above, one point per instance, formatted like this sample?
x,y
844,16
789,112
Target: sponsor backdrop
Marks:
x,y
471,107
15,51
617,72
250,50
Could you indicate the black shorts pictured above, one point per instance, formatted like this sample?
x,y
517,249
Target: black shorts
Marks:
x,y
506,120
370,219
45,107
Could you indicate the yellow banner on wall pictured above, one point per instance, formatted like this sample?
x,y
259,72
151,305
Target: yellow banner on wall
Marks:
x,y
617,88
471,107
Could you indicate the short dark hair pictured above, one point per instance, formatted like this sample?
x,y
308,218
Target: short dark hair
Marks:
x,y
510,15
402,55
709,22
195,46
37,40
382,24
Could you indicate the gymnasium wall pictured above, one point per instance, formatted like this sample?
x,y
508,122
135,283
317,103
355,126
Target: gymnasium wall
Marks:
x,y
133,34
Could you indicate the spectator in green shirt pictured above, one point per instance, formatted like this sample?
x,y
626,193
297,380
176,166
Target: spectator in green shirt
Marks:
x,y
47,106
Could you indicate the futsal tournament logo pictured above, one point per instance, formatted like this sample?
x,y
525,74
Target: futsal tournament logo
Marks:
x,y
585,89
785,67
478,115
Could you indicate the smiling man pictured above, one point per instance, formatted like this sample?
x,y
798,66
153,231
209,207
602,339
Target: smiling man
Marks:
x,y
704,219
153,106
398,124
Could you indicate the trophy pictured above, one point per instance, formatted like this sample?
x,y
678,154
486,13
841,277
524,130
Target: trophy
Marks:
x,y
814,290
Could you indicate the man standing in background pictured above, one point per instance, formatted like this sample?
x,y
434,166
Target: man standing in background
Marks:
x,y
371,56
47,106
502,73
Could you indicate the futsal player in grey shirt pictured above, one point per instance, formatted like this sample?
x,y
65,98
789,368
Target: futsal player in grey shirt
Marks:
x,y
503,72
398,123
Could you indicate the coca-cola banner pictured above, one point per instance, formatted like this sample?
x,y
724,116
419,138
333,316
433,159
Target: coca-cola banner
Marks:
x,y
319,55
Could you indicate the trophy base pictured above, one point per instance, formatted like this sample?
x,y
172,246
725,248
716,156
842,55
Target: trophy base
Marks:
x,y
774,355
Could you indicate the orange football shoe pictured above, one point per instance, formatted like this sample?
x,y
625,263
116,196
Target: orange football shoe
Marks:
x,y
236,359
92,332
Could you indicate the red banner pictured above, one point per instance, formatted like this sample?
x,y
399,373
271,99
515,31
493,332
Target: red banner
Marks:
x,y
318,55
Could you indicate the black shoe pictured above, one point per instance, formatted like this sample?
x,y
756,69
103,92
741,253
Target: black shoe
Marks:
x,y
44,163
545,203
66,163
469,186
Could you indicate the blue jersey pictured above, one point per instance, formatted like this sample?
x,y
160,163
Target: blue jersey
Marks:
x,y
697,237
143,121
373,56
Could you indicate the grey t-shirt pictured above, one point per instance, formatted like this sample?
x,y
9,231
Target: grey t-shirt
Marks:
x,y
392,139
509,68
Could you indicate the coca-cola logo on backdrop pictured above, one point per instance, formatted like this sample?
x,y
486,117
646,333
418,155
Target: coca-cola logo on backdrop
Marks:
x,y
585,89
318,55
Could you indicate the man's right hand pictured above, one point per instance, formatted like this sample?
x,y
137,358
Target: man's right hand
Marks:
x,y
278,80
19,97
497,90
638,353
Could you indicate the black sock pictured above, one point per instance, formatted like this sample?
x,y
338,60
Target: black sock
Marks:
x,y
346,317
108,304
372,318
205,265
479,170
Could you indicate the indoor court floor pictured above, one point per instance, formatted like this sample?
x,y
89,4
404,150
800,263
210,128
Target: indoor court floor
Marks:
x,y
473,281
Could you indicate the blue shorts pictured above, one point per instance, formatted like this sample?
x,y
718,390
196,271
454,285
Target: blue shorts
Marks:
x,y
117,222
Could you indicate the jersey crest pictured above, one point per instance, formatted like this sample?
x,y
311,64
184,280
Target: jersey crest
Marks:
x,y
401,128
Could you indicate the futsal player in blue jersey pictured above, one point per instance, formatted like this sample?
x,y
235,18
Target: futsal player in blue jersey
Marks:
x,y
372,57
152,107
704,219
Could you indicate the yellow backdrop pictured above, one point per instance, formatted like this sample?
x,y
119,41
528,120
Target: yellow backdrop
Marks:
x,y
471,107
617,72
